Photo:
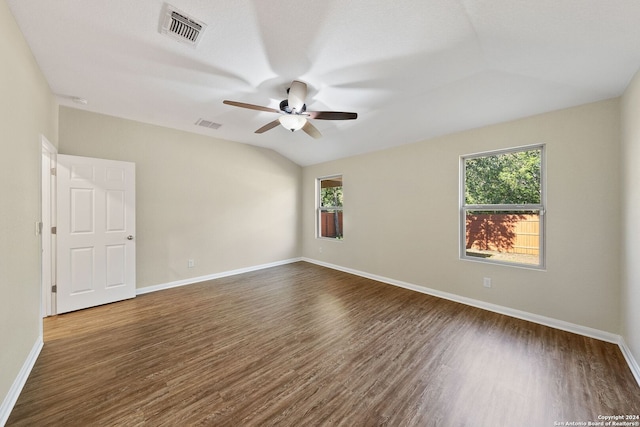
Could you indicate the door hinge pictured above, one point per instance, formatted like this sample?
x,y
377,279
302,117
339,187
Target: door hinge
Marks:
x,y
54,288
53,171
54,230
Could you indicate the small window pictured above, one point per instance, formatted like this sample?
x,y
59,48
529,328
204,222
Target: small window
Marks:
x,y
502,207
330,205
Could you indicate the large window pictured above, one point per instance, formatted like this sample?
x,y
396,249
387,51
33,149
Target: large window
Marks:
x,y
330,203
502,207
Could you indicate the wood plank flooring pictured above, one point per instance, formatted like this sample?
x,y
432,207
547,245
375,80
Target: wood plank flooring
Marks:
x,y
301,345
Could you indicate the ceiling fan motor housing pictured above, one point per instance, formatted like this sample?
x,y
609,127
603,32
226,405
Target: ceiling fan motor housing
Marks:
x,y
284,107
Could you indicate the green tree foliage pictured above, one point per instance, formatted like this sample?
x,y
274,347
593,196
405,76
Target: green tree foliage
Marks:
x,y
509,178
331,196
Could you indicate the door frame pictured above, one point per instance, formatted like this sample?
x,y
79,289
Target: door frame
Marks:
x,y
48,199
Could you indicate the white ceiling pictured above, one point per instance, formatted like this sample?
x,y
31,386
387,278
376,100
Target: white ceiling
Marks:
x,y
411,69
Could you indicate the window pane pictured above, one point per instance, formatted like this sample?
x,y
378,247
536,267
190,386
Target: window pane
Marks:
x,y
507,178
330,205
331,192
331,223
504,236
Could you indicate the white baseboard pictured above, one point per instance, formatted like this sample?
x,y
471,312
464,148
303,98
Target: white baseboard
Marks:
x,y
192,280
535,318
519,314
631,361
16,388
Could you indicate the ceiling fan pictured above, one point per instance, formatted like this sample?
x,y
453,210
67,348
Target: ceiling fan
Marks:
x,y
293,112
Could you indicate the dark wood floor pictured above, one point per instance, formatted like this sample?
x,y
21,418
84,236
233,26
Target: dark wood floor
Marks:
x,y
301,345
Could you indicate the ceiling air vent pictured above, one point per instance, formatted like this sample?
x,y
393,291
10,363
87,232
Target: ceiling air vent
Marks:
x,y
181,27
208,124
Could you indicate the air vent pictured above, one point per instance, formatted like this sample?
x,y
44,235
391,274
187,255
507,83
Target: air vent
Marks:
x,y
181,27
208,124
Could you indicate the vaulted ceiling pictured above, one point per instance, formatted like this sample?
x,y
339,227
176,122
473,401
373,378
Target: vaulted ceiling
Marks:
x,y
411,69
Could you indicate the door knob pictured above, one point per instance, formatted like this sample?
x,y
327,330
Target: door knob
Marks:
x,y
129,237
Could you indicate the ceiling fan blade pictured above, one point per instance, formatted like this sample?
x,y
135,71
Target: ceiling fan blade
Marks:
x,y
251,106
268,126
311,130
297,95
331,115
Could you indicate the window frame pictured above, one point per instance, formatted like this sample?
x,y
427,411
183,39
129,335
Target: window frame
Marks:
x,y
541,207
320,208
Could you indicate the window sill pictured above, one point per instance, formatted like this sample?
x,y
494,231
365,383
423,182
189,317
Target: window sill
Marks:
x,y
483,260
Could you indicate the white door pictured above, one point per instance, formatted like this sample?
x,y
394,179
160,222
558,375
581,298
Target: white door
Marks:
x,y
95,232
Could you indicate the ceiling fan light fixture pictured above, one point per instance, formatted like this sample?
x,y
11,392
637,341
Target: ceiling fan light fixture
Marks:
x,y
292,122
293,112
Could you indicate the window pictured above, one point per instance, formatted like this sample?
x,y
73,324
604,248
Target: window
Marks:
x,y
330,201
502,207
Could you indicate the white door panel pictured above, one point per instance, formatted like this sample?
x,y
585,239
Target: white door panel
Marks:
x,y
96,225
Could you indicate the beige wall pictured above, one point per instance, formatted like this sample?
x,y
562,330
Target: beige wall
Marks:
x,y
224,204
631,216
230,206
401,216
27,110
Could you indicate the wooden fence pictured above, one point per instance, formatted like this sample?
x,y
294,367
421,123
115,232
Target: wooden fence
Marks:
x,y
511,233
328,225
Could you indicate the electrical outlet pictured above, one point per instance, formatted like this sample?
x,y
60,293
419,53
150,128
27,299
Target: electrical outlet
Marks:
x,y
191,263
320,249
486,282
